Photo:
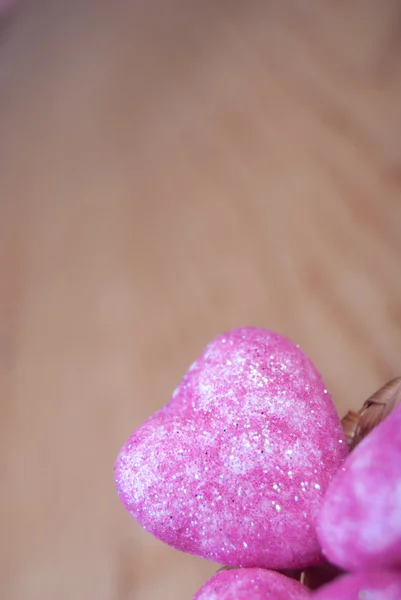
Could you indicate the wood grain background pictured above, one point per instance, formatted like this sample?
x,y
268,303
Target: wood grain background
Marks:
x,y
170,169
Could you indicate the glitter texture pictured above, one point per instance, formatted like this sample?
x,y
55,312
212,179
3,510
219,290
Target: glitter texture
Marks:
x,y
235,467
363,586
359,525
251,584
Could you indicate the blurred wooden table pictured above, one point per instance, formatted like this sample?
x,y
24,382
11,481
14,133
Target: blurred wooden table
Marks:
x,y
169,170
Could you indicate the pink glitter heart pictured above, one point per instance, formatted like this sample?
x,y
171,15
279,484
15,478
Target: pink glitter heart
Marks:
x,y
359,525
234,468
363,586
251,584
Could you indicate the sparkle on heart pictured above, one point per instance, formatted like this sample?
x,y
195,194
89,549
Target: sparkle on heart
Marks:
x,y
359,525
363,586
251,584
234,468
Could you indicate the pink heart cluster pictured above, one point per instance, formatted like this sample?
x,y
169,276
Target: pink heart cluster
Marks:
x,y
261,584
247,466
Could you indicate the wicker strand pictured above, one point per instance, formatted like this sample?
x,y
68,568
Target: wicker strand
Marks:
x,y
376,408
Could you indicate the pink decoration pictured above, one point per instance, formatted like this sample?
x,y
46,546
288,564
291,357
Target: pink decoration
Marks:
x,y
360,521
235,467
362,586
251,584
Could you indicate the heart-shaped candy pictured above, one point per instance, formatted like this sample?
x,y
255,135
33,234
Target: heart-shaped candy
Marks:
x,y
359,525
251,584
363,586
234,468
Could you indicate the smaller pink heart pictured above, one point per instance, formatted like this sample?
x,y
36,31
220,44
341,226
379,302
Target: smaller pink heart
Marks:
x,y
251,584
359,525
362,586
235,467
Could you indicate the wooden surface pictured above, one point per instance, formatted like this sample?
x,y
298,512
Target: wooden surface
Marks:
x,y
169,170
